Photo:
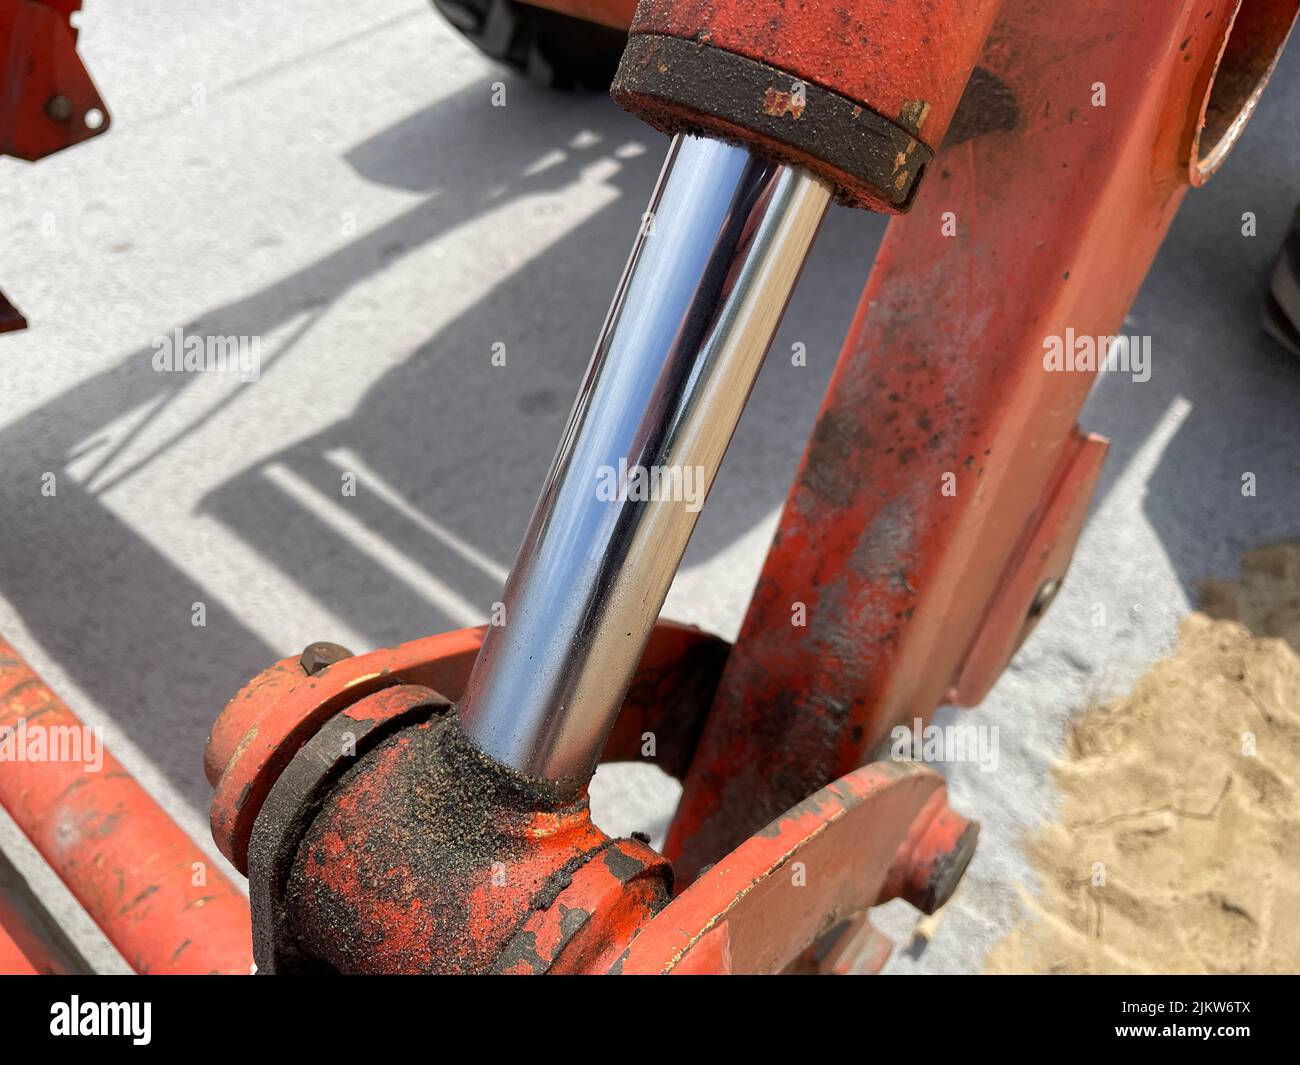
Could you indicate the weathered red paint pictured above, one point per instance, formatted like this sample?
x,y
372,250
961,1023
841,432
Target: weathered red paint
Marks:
x,y
155,895
280,709
264,725
39,62
603,908
907,60
915,597
827,859
860,93
1042,555
429,858
932,857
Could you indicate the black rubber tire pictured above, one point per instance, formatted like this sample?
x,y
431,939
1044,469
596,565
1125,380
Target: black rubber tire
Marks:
x,y
550,49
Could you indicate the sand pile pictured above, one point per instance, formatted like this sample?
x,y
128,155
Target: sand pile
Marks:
x,y
1178,844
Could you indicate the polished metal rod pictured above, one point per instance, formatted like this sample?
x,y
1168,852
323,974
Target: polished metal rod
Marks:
x,y
717,257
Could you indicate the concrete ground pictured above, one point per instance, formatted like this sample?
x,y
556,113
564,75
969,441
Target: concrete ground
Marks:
x,y
340,186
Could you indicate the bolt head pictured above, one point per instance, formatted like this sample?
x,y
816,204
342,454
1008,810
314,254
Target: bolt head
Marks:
x,y
321,655
59,108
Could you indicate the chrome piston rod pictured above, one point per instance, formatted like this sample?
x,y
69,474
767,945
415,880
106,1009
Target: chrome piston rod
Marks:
x,y
709,276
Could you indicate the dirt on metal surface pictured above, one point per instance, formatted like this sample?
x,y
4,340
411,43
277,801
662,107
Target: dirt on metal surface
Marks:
x,y
681,86
1178,844
428,856
266,723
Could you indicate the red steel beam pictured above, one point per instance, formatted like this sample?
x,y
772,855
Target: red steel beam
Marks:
x,y
158,898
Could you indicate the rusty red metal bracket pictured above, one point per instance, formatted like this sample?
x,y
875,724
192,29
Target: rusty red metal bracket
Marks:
x,y
883,831
47,100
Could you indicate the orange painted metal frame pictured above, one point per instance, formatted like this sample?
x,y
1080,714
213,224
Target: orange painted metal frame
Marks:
x,y
840,851
1040,216
899,838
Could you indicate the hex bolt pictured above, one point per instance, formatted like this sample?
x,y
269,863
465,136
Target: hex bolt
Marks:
x,y
318,656
59,108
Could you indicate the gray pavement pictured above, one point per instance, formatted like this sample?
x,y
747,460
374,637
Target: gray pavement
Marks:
x,y
340,186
